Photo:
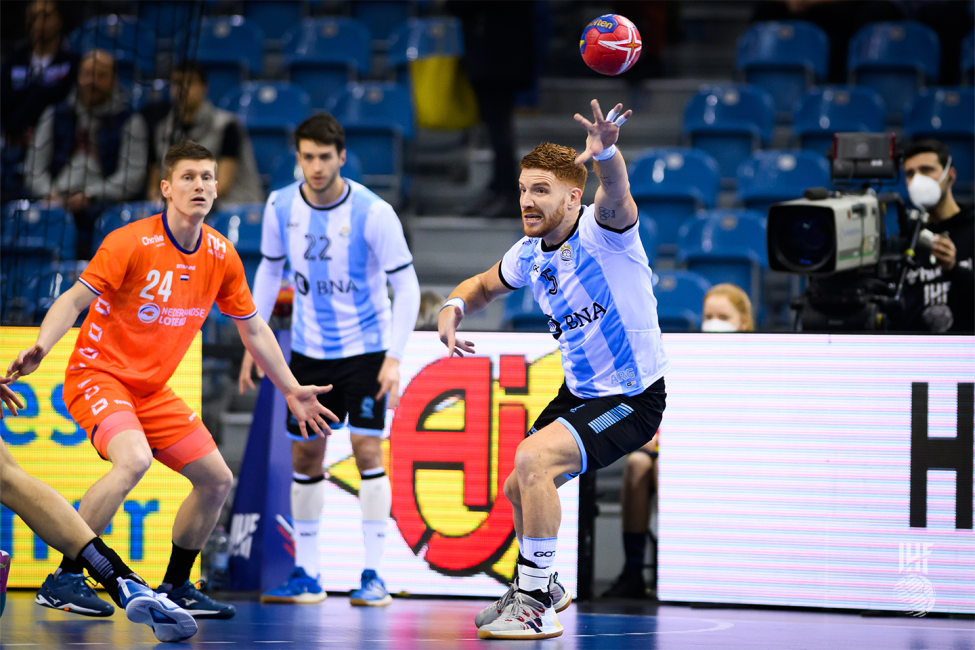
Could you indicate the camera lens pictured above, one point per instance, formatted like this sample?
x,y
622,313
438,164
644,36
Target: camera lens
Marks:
x,y
804,238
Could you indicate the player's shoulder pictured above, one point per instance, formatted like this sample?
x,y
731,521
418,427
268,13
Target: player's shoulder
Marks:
x,y
361,195
138,234
284,195
526,247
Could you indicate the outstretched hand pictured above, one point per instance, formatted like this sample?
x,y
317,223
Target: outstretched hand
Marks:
x,y
447,323
26,362
10,399
304,405
603,132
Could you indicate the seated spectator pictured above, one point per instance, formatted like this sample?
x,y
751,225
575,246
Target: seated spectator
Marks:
x,y
939,297
39,72
192,116
726,309
89,150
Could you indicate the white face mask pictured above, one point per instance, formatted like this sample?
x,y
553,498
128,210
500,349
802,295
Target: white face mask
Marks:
x,y
925,192
717,325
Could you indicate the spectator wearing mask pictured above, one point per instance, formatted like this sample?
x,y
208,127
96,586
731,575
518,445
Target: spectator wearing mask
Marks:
x,y
726,309
89,150
939,297
192,116
38,73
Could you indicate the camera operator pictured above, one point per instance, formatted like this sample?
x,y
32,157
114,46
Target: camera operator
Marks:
x,y
939,298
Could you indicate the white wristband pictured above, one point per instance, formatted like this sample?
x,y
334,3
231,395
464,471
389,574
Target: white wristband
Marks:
x,y
456,302
606,154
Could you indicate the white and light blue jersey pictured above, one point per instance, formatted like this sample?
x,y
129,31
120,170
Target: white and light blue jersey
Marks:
x,y
339,255
596,289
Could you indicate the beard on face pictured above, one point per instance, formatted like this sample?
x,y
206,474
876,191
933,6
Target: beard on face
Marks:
x,y
548,223
328,183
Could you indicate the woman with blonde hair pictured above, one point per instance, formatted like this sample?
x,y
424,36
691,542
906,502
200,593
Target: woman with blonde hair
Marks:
x,y
727,309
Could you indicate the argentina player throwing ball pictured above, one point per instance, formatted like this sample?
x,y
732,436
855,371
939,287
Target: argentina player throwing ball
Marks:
x,y
588,271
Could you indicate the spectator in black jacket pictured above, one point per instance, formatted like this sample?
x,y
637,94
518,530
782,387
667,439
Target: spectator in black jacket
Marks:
x,y
39,72
939,297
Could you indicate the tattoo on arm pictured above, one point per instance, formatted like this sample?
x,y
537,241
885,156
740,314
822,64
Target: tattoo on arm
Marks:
x,y
605,214
607,181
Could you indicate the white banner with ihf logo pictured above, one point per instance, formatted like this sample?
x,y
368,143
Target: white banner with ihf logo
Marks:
x,y
819,470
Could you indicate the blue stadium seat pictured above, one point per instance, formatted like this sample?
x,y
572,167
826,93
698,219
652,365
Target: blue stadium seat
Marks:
x,y
382,16
726,246
420,38
323,54
840,109
274,16
37,229
895,59
729,122
680,300
241,224
270,111
122,215
31,284
648,237
131,41
231,49
967,61
772,176
785,58
169,19
522,313
378,119
947,115
671,184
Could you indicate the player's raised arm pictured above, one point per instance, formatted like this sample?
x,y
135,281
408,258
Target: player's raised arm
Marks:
x,y
615,207
471,295
59,319
302,400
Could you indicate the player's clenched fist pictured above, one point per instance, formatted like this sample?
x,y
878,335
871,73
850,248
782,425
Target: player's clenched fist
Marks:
x,y
304,405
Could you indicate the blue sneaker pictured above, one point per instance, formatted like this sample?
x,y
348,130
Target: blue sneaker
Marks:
x,y
372,593
169,622
199,605
70,592
300,588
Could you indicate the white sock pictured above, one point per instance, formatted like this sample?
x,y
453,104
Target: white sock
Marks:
x,y
307,501
541,553
375,499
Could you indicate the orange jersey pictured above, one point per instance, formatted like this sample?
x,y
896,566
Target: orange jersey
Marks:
x,y
153,297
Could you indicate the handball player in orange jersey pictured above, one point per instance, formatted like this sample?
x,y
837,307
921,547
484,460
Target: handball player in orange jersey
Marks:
x,y
150,286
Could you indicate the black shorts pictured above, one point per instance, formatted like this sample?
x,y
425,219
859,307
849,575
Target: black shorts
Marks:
x,y
606,428
354,383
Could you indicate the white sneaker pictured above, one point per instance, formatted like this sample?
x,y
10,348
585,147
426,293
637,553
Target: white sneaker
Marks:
x,y
169,622
561,599
523,618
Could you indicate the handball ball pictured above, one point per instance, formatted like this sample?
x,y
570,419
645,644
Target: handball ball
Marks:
x,y
610,44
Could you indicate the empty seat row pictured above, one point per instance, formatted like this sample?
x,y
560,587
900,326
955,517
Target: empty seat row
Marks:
x,y
729,121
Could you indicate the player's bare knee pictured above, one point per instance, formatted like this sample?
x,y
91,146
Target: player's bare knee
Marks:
x,y
638,467
530,467
132,464
307,458
511,490
368,454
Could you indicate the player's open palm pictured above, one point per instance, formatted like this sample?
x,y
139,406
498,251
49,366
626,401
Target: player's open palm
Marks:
x,y
603,132
26,362
304,405
10,399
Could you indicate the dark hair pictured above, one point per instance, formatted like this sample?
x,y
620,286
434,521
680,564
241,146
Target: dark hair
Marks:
x,y
192,67
185,150
929,145
323,129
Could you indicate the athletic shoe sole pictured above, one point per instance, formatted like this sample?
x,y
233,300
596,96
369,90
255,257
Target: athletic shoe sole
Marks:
x,y
71,607
362,602
563,604
209,613
167,624
526,635
300,599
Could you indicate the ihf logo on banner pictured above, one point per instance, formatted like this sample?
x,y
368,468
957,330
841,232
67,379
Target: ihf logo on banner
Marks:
x,y
913,589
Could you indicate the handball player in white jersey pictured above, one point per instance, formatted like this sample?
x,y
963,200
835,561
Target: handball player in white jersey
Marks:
x,y
343,243
588,271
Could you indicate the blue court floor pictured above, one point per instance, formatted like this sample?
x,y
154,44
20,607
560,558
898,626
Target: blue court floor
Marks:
x,y
443,624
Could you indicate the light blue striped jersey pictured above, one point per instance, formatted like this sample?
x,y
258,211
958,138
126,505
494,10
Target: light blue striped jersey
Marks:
x,y
340,256
596,289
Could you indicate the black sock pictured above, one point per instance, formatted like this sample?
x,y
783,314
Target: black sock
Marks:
x,y
105,566
70,566
180,564
541,595
635,549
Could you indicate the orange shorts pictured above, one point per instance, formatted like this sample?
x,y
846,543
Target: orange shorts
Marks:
x,y
104,407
